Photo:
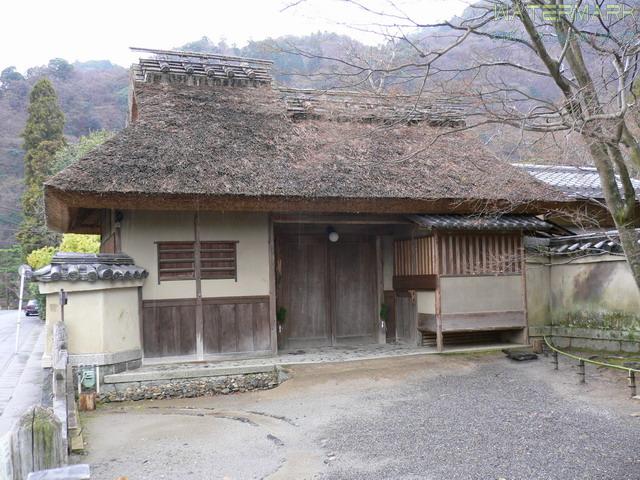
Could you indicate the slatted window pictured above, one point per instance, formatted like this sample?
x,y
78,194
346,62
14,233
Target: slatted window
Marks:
x,y
415,256
480,254
176,260
218,260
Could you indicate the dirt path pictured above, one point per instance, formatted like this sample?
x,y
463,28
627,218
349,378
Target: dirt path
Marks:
x,y
471,416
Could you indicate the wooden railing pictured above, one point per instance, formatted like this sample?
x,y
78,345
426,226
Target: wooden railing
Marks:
x,y
631,372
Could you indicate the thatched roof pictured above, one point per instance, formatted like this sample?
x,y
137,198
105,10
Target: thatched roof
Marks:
x,y
237,148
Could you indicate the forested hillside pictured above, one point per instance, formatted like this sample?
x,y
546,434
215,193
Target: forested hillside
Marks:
x,y
93,96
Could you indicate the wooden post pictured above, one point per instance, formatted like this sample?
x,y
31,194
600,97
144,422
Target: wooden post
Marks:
x,y
273,324
523,273
37,442
199,308
632,383
555,360
581,371
141,319
439,336
382,335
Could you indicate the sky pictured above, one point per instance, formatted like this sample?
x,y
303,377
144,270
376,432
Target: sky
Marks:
x,y
34,31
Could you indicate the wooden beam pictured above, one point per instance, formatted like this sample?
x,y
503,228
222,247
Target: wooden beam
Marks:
x,y
414,282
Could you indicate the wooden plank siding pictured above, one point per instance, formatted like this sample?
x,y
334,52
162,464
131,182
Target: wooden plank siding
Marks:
x,y
230,325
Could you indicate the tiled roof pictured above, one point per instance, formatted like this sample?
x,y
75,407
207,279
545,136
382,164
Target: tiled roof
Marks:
x,y
576,182
203,65
575,245
89,267
478,222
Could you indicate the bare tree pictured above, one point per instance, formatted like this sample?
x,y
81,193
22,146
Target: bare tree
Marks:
x,y
500,54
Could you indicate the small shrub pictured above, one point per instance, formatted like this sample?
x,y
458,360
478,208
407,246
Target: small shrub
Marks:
x,y
41,257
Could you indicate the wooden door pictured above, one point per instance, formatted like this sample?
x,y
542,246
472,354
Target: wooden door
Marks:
x,y
328,289
352,276
303,290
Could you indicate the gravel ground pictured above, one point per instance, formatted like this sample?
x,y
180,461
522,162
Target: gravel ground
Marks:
x,y
442,417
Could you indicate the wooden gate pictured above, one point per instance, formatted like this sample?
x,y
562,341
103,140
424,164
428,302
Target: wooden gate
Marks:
x,y
329,289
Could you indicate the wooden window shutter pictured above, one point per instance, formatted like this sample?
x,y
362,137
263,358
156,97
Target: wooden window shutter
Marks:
x,y
219,260
176,261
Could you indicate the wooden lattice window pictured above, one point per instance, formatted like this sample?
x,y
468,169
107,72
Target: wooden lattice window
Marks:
x,y
176,260
218,260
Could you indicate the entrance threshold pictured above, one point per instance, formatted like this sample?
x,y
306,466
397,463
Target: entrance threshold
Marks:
x,y
312,355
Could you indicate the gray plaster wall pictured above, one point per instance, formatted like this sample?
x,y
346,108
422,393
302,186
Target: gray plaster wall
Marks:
x,y
588,302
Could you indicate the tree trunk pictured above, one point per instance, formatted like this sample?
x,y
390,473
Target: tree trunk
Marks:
x,y
631,247
623,209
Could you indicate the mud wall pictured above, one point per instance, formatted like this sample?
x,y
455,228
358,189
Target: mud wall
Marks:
x,y
590,302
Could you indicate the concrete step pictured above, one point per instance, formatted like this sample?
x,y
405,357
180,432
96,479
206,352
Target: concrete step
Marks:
x,y
167,372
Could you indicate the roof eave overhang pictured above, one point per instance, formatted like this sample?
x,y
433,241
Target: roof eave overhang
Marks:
x,y
62,206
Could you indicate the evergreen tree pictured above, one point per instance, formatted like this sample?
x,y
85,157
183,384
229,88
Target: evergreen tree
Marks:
x,y
43,137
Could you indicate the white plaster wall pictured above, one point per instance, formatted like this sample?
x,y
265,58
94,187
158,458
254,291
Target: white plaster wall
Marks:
x,y
482,293
538,275
120,322
139,232
598,283
252,233
141,229
100,317
426,301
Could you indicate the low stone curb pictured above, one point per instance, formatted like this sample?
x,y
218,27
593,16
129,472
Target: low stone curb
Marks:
x,y
186,373
159,389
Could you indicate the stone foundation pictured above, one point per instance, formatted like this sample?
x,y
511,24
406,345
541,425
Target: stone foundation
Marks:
x,y
190,387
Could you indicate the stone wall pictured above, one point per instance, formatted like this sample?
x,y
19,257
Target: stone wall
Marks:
x,y
588,302
190,387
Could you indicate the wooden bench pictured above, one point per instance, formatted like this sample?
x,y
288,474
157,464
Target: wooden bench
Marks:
x,y
469,327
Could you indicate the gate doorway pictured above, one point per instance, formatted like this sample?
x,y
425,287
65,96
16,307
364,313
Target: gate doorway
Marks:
x,y
329,289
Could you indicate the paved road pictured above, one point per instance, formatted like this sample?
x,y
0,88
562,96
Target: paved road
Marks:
x,y
432,417
12,365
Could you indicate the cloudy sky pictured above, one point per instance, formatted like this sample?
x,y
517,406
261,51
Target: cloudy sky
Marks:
x,y
35,31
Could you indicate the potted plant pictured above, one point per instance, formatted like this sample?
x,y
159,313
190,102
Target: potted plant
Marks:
x,y
384,316
281,315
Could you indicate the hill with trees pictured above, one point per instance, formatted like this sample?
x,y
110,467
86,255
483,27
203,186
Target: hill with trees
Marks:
x,y
92,95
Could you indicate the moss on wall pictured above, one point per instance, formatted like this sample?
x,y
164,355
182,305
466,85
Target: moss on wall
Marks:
x,y
596,319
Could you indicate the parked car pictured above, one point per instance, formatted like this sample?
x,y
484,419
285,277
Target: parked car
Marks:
x,y
31,308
